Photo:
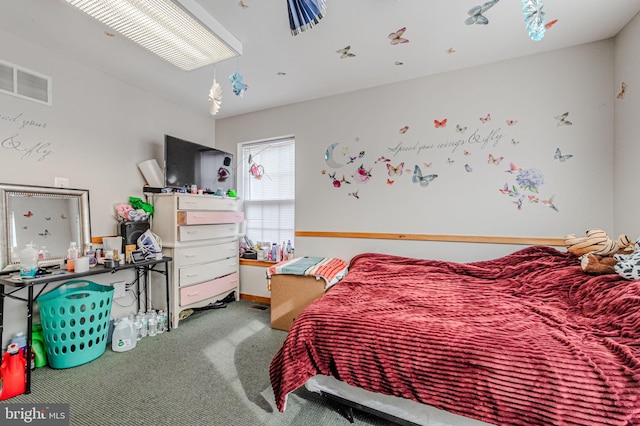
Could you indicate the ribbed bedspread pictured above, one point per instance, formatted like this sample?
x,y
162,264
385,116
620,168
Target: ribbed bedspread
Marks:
x,y
526,339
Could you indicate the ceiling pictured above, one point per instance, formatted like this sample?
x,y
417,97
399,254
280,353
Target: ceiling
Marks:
x,y
281,69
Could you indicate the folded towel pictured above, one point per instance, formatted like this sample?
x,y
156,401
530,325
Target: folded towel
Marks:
x,y
330,269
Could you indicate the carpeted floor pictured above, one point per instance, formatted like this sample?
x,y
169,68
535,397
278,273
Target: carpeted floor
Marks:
x,y
212,370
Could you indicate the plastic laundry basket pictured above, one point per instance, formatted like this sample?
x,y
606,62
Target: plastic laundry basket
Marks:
x,y
75,320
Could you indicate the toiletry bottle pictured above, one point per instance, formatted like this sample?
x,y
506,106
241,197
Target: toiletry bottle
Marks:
x,y
72,254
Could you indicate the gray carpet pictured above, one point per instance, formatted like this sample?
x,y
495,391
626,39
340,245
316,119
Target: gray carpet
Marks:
x,y
212,370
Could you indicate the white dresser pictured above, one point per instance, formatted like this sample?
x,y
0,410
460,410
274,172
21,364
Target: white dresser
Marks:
x,y
200,233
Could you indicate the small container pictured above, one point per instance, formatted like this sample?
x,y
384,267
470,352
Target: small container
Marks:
x,y
28,262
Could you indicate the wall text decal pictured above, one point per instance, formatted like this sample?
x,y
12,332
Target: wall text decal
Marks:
x,y
15,143
476,138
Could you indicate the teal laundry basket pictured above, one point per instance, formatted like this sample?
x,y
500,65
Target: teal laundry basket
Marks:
x,y
75,321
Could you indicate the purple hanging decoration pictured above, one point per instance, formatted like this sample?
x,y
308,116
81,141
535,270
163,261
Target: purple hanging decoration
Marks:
x,y
304,14
534,18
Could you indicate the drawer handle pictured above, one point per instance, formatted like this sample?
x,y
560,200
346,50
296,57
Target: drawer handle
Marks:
x,y
193,294
190,255
192,232
192,275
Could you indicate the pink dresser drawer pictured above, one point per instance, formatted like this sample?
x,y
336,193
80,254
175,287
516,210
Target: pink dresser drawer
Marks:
x,y
209,217
198,292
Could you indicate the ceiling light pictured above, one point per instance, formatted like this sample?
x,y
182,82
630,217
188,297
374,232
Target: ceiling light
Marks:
x,y
185,35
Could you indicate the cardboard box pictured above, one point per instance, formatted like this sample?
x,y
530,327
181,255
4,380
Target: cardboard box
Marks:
x,y
290,294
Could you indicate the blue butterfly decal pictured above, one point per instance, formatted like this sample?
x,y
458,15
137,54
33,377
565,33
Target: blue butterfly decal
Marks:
x,y
422,180
476,13
561,157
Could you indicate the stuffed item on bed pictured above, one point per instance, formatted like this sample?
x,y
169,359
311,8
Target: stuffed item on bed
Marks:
x,y
595,241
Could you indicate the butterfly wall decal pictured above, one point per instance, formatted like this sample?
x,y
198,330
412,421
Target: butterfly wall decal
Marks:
x,y
354,195
468,168
549,203
485,118
28,214
382,159
390,182
513,168
451,50
439,124
621,94
243,5
344,52
561,157
514,142
396,37
450,161
419,178
494,160
395,170
466,153
460,129
404,130
550,24
562,120
476,13
512,122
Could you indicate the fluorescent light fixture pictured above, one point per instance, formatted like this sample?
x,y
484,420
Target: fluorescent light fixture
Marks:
x,y
185,35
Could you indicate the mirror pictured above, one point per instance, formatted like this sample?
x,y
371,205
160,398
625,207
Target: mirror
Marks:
x,y
48,217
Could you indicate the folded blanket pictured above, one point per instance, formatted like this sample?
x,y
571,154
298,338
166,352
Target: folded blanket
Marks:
x,y
331,269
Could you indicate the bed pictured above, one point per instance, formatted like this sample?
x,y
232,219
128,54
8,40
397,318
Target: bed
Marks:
x,y
525,339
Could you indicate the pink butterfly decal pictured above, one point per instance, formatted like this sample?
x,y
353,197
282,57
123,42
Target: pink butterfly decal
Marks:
x,y
486,118
493,160
390,182
395,170
396,38
512,122
28,214
439,124
513,168
404,130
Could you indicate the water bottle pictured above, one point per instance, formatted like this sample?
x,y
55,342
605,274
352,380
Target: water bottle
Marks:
x,y
138,325
145,323
274,252
28,262
162,321
153,323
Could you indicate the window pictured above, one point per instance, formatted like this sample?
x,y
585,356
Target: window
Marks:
x,y
268,189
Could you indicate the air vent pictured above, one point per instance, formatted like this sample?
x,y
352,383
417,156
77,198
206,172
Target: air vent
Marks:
x,y
23,83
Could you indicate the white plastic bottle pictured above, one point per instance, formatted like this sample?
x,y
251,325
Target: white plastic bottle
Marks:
x,y
124,336
72,255
153,322
28,261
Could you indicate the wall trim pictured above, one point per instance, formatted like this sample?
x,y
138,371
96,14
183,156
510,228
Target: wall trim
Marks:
x,y
435,237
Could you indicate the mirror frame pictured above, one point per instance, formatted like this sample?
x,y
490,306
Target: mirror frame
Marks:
x,y
82,196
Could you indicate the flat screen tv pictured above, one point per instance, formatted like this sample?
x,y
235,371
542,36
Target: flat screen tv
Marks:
x,y
188,163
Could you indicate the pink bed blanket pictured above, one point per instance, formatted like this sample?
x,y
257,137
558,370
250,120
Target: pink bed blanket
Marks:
x,y
526,339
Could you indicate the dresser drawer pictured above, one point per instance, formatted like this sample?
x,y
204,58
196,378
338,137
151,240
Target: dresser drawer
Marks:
x,y
206,202
190,275
196,293
206,232
209,217
201,254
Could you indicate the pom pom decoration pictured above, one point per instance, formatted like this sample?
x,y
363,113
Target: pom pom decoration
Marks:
x,y
304,14
534,18
237,84
215,97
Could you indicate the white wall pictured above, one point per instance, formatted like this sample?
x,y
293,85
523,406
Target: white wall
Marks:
x,y
627,128
532,90
97,130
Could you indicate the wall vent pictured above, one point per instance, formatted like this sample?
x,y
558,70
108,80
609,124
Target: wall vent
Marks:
x,y
24,83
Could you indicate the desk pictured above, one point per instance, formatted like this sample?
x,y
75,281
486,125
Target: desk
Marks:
x,y
57,276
